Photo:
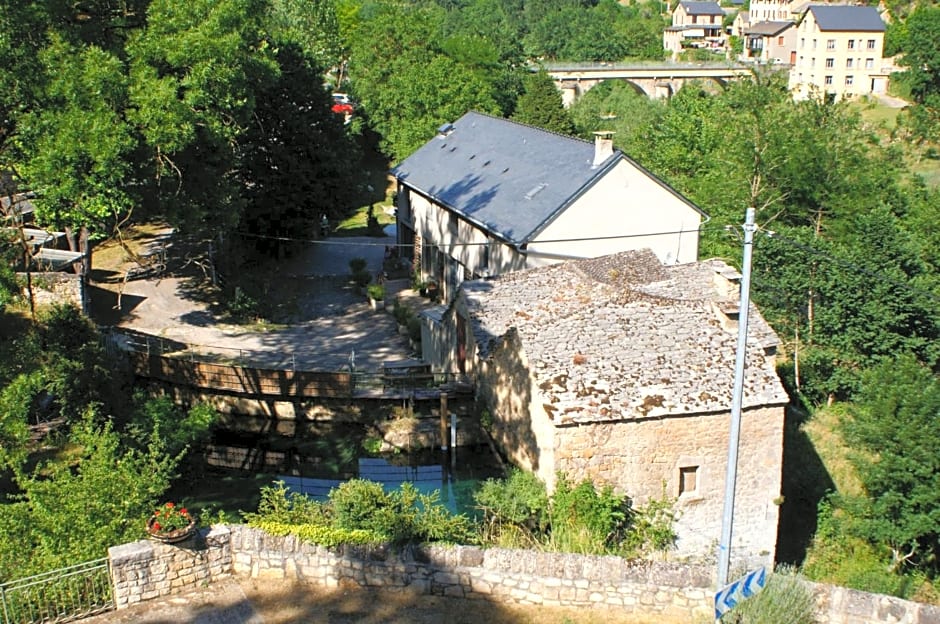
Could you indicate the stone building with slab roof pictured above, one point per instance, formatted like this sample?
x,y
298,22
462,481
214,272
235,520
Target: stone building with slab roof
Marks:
x,y
620,369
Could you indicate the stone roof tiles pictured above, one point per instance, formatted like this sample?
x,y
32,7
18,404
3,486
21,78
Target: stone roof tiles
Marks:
x,y
623,336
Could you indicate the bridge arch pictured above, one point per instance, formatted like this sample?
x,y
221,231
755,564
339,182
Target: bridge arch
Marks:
x,y
655,81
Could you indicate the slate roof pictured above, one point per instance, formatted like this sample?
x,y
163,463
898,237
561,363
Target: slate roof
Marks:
x,y
701,8
623,336
845,18
768,28
683,27
508,178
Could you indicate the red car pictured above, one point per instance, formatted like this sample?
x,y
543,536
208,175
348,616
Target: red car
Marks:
x,y
342,104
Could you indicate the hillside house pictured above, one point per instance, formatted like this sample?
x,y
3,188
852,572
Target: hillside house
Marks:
x,y
839,53
771,42
488,196
620,369
695,24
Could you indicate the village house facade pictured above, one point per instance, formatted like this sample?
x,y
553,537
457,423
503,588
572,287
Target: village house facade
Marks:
x,y
619,369
839,53
695,24
771,42
488,196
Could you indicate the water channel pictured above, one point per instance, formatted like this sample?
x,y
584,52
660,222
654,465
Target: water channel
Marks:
x,y
314,457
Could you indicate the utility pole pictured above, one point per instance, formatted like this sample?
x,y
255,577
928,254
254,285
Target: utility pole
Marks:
x,y
727,518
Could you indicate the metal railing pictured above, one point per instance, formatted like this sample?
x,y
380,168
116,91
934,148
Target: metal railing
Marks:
x,y
61,595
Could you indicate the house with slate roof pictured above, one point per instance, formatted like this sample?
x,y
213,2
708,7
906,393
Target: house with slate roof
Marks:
x,y
620,369
695,24
487,196
839,53
771,42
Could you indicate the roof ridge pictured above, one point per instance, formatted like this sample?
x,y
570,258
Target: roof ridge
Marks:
x,y
538,128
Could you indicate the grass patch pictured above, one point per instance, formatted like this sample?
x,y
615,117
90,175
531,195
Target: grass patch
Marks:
x,y
823,431
356,223
110,255
929,170
877,114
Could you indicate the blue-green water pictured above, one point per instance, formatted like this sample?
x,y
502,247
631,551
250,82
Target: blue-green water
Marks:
x,y
236,465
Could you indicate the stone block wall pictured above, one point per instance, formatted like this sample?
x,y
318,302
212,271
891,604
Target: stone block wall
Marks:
x,y
671,591
51,287
641,457
841,605
146,569
662,591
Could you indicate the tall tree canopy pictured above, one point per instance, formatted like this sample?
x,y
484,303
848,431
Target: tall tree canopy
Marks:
x,y
166,108
541,105
406,83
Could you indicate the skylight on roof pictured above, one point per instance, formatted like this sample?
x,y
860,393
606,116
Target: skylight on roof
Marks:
x,y
535,191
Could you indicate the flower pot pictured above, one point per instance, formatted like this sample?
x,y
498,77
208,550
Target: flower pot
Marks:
x,y
172,536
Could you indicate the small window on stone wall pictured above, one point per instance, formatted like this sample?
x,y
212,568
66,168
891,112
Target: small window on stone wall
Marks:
x,y
688,479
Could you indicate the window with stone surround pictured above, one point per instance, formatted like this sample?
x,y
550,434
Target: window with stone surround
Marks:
x,y
688,480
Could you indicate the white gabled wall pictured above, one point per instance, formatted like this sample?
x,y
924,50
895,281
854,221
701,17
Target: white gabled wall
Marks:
x,y
627,201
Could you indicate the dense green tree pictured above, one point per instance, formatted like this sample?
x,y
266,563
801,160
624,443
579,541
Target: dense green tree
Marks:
x,y
921,52
76,146
313,26
194,71
74,511
297,159
541,105
896,432
919,43
575,34
617,106
406,84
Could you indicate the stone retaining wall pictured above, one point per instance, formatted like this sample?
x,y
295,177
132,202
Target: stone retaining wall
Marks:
x,y
665,591
51,287
670,591
146,569
841,605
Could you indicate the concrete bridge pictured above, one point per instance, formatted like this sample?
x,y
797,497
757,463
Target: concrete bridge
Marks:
x,y
654,80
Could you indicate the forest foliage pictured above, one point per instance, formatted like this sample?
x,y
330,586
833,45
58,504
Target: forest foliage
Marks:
x,y
214,115
83,459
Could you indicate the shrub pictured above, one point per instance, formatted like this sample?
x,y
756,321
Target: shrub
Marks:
x,y
586,521
357,265
514,508
401,516
786,599
652,526
316,533
281,506
839,556
242,307
376,291
361,278
414,328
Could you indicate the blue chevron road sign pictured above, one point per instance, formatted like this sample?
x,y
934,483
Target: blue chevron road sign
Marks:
x,y
745,587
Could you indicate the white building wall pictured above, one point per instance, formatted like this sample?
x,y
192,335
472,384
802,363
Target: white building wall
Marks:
x,y
626,202
843,64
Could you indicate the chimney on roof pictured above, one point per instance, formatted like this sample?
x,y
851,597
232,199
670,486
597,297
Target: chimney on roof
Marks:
x,y
445,130
603,146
